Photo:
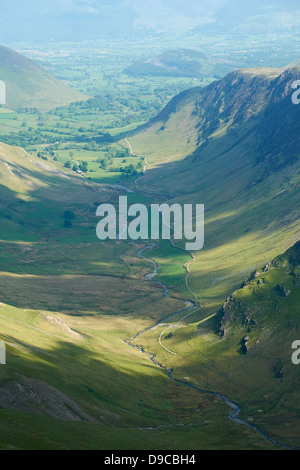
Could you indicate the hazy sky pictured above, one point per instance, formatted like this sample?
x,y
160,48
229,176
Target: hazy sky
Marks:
x,y
62,19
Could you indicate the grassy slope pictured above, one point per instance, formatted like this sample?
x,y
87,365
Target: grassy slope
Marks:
x,y
171,135
28,85
73,339
154,401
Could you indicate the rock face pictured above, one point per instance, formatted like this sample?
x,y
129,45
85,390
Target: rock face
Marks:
x,y
225,316
34,396
250,278
244,345
170,335
279,370
284,292
266,268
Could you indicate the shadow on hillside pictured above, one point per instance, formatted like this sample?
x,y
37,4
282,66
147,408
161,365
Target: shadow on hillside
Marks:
x,y
115,388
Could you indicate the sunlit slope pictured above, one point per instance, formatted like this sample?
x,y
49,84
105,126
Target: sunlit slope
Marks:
x,y
28,85
245,351
245,170
172,134
258,324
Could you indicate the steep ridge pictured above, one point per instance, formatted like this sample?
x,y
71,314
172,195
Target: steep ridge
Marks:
x,y
233,146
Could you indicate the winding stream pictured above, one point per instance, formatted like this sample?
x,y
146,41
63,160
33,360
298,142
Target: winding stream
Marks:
x,y
234,415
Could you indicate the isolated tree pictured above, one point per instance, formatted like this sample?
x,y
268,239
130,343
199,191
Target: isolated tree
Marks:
x,y
68,223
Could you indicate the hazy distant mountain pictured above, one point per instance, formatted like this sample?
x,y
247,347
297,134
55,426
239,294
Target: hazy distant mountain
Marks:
x,y
28,85
182,63
256,16
89,19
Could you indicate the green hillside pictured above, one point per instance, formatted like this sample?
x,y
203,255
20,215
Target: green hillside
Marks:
x,y
245,351
258,324
30,86
69,303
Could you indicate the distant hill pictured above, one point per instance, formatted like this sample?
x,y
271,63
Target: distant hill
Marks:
x,y
183,63
28,85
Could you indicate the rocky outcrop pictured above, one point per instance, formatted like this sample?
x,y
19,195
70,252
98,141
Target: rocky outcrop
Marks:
x,y
31,395
245,344
282,291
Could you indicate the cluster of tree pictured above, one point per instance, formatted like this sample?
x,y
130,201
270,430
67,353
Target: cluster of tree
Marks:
x,y
127,170
104,162
28,110
83,166
104,138
99,103
28,138
122,153
42,156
